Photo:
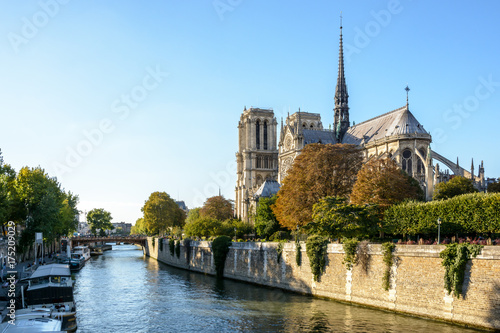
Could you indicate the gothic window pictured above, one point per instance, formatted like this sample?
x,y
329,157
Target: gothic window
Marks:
x,y
266,162
420,163
258,161
257,133
265,135
406,161
258,180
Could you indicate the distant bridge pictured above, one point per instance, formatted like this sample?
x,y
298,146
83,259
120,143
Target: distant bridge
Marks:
x,y
140,240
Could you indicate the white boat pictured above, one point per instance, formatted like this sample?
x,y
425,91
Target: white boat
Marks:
x,y
30,321
83,251
51,287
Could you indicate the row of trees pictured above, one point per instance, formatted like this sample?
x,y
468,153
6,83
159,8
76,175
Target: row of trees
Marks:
x,y
328,191
36,201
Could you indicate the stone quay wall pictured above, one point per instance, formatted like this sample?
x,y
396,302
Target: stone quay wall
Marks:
x,y
416,286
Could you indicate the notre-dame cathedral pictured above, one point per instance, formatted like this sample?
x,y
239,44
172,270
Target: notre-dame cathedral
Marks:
x,y
262,164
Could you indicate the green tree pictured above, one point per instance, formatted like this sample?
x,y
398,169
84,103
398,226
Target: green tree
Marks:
x,y
218,208
333,218
193,215
99,219
10,208
68,221
320,170
161,213
42,199
203,227
456,186
139,228
494,187
266,223
236,227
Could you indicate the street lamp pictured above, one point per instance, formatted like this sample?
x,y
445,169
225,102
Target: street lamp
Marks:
x,y
439,229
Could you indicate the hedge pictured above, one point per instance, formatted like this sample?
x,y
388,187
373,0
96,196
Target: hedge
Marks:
x,y
475,213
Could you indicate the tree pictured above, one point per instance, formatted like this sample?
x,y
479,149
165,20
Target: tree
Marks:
x,y
456,186
382,182
9,202
193,215
161,213
266,223
494,187
68,221
99,219
334,218
203,227
139,228
321,170
42,199
217,208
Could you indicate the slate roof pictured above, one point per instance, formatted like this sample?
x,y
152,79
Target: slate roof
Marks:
x,y
318,136
267,189
398,122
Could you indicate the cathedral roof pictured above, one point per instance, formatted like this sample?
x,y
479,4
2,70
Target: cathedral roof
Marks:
x,y
318,136
269,188
398,122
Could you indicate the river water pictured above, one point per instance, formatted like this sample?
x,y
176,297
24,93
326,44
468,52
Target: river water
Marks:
x,y
122,291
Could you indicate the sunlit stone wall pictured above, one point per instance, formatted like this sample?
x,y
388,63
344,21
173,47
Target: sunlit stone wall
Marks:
x,y
416,282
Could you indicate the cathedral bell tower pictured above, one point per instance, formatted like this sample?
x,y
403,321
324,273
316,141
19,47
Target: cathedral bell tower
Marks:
x,y
341,109
257,157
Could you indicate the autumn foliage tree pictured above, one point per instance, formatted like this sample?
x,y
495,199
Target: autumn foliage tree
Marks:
x,y
321,170
382,182
218,208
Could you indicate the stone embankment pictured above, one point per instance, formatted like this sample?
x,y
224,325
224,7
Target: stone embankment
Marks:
x,y
416,285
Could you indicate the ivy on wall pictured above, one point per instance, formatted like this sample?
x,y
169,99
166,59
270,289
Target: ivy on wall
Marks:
x,y
316,247
171,245
220,248
178,249
350,246
455,257
279,250
388,256
298,253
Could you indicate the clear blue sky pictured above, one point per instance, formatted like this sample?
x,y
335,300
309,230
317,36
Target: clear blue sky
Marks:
x,y
119,99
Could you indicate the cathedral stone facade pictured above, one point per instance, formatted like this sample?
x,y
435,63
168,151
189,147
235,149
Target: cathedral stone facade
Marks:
x,y
396,134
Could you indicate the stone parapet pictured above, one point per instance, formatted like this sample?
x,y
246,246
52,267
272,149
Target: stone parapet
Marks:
x,y
416,284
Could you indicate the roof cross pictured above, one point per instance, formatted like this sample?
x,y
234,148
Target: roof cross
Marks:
x,y
407,90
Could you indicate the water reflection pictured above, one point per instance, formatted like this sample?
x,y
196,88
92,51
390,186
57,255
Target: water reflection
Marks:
x,y
123,292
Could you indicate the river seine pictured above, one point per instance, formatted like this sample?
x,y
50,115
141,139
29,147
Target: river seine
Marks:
x,y
122,291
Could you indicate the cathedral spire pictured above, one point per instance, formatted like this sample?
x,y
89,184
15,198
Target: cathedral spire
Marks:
x,y
341,110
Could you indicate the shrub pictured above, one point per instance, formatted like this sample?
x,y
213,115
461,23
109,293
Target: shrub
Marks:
x,y
469,213
298,252
171,245
187,248
160,242
178,249
220,248
316,247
